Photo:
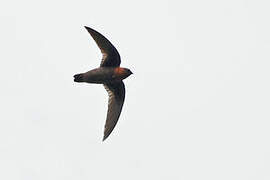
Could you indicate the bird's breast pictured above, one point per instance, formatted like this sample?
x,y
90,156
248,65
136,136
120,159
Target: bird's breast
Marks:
x,y
119,72
105,75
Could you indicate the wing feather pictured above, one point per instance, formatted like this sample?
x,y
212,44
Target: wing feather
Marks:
x,y
116,92
110,55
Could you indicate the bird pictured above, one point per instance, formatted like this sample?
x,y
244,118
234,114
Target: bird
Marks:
x,y
111,75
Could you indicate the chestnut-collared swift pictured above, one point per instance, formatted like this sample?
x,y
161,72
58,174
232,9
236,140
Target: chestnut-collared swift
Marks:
x,y
111,75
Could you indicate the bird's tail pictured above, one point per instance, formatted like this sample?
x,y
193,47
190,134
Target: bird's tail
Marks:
x,y
78,78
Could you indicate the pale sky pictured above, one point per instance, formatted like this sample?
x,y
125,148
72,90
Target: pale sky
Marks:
x,y
197,105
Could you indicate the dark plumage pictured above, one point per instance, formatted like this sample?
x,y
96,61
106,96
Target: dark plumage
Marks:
x,y
110,75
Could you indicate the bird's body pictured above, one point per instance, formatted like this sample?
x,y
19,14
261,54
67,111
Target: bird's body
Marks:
x,y
103,75
110,75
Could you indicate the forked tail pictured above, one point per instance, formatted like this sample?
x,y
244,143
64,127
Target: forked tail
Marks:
x,y
78,78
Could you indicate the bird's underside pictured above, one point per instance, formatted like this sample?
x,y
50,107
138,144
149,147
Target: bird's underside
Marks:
x,y
110,75
101,75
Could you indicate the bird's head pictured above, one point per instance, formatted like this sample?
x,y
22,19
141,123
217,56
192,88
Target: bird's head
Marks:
x,y
122,72
128,72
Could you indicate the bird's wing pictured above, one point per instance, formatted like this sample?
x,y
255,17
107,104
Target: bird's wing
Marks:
x,y
116,93
110,55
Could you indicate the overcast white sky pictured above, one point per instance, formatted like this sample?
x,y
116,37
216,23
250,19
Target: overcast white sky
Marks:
x,y
197,106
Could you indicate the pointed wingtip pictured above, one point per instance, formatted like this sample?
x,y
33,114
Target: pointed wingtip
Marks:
x,y
86,27
106,135
104,138
90,30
